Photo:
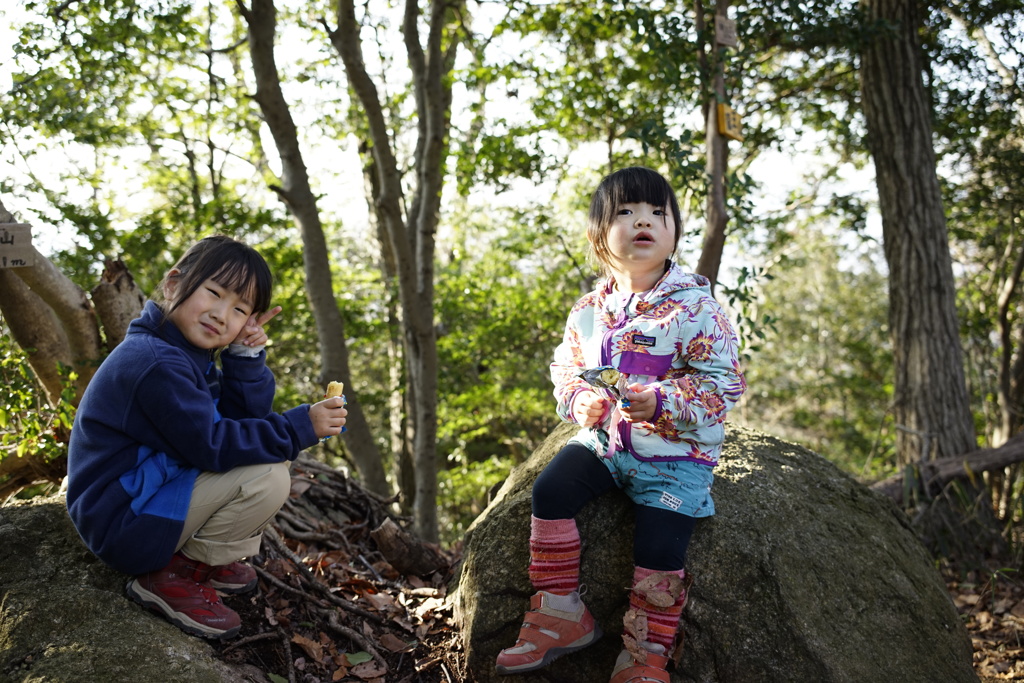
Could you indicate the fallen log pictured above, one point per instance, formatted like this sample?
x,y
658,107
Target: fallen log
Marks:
x,y
405,552
935,474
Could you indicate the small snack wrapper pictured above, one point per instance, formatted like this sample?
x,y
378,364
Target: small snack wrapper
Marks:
x,y
608,378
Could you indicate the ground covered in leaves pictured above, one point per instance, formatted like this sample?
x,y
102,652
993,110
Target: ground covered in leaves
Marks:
x,y
331,607
991,604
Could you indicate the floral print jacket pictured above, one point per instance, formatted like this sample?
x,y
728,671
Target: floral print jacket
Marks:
x,y
675,338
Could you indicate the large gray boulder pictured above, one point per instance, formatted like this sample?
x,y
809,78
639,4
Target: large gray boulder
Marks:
x,y
64,615
803,575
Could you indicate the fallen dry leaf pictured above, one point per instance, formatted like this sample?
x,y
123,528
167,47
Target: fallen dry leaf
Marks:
x,y
394,643
312,648
368,670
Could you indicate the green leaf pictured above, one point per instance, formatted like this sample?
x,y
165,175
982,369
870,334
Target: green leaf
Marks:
x,y
357,657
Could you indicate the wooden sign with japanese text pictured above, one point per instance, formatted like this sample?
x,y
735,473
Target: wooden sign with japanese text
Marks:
x,y
729,122
16,245
725,31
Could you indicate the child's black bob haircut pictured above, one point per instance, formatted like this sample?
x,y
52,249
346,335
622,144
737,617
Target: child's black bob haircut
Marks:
x,y
630,185
231,264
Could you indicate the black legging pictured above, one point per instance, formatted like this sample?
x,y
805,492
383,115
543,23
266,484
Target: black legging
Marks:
x,y
575,476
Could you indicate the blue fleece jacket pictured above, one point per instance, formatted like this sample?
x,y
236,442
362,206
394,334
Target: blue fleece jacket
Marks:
x,y
157,413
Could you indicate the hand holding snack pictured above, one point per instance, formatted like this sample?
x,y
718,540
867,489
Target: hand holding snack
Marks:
x,y
589,408
639,403
328,416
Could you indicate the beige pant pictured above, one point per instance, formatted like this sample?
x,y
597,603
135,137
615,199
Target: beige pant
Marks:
x,y
229,511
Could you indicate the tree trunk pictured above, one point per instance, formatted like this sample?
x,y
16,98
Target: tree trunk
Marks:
x,y
411,239
717,151
1011,372
53,320
399,394
118,301
299,198
931,404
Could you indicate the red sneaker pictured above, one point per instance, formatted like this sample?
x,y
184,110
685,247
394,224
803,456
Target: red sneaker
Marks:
x,y
233,578
181,593
549,633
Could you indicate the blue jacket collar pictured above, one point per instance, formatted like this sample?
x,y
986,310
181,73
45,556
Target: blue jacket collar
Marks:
x,y
152,321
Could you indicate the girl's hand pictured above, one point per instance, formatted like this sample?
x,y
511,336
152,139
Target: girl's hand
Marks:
x,y
328,416
643,401
252,333
588,408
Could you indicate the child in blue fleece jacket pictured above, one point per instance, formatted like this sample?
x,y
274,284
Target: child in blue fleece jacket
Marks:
x,y
176,465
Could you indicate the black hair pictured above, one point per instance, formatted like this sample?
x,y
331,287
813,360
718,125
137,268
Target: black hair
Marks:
x,y
231,264
630,185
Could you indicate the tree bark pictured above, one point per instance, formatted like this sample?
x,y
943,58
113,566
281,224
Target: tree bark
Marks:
x,y
717,151
411,238
1011,372
931,405
405,552
400,394
297,194
36,329
53,320
118,301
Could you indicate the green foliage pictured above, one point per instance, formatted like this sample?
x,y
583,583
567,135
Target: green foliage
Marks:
x,y
99,80
29,426
820,370
466,490
501,300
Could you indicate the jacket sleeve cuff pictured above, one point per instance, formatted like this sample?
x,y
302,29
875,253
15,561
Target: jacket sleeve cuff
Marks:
x,y
244,351
660,396
298,418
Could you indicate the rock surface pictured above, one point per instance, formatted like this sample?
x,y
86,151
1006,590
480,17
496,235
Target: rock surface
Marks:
x,y
64,615
802,575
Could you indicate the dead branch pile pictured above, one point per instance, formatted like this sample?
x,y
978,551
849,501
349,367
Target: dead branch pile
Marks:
x,y
331,606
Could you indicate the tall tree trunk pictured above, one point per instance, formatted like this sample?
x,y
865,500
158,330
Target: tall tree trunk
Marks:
x,y
717,148
931,404
298,196
410,238
1011,372
400,393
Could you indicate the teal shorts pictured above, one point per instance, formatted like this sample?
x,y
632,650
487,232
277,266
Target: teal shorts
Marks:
x,y
677,485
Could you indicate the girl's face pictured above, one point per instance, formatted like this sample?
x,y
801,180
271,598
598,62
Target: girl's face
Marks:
x,y
212,317
640,238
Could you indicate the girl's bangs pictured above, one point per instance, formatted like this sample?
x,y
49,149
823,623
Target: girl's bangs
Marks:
x,y
237,277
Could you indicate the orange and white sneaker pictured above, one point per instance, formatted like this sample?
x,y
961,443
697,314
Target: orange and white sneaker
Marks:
x,y
653,669
554,626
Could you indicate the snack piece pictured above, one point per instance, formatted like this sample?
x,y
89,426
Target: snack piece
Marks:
x,y
603,377
335,389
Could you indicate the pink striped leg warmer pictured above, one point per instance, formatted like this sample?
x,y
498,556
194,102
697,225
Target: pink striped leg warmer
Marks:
x,y
554,555
662,622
